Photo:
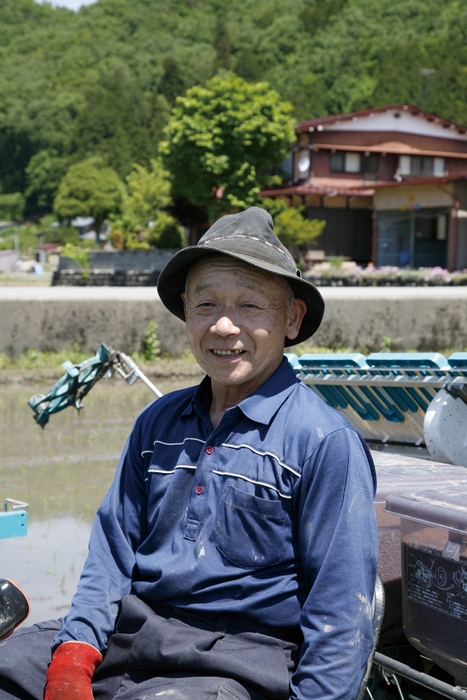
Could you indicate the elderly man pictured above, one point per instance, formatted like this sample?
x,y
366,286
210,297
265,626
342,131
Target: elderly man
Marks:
x,y
234,555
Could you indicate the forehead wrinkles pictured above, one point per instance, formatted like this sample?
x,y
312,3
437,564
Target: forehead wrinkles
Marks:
x,y
200,275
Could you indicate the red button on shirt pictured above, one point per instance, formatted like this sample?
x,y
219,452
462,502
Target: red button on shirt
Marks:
x,y
199,490
209,450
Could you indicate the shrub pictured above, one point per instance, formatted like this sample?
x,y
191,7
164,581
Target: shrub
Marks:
x,y
387,275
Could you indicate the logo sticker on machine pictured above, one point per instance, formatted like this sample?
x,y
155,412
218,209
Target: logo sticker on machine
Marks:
x,y
436,581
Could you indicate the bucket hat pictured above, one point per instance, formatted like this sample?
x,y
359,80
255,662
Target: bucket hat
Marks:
x,y
248,236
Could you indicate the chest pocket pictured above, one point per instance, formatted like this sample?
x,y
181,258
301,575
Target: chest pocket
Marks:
x,y
251,531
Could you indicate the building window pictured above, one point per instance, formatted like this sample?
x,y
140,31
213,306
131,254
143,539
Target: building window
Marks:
x,y
439,169
431,228
352,163
370,166
421,166
341,162
336,162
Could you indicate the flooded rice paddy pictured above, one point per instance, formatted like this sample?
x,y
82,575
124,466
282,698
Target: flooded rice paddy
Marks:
x,y
62,472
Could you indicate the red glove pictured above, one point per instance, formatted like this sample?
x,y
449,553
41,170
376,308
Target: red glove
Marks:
x,y
70,673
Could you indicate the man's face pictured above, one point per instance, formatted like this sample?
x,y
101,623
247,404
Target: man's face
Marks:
x,y
237,318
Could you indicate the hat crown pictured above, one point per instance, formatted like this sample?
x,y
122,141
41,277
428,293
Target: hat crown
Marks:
x,y
248,236
250,232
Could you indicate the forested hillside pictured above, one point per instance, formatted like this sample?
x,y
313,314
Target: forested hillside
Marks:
x,y
103,80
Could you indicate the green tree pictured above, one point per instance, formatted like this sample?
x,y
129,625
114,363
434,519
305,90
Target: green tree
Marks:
x,y
44,173
11,206
166,232
222,138
101,81
222,44
295,232
247,65
143,223
89,188
49,232
115,121
148,190
172,84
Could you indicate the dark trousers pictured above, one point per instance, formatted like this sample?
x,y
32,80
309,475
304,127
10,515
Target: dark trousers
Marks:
x,y
168,653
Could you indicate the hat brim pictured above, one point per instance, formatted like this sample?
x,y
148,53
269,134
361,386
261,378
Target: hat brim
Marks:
x,y
171,285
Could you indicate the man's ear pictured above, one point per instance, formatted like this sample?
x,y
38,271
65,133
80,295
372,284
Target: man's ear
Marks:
x,y
297,311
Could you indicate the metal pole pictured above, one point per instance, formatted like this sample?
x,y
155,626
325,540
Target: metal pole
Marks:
x,y
148,383
422,679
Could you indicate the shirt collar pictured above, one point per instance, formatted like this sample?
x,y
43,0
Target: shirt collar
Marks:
x,y
261,405
201,399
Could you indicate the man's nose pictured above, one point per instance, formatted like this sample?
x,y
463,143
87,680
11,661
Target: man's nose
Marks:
x,y
225,325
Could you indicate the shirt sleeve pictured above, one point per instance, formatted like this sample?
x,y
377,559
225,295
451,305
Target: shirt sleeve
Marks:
x,y
107,575
338,546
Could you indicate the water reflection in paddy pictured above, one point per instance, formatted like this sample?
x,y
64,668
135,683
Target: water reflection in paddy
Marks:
x,y
63,473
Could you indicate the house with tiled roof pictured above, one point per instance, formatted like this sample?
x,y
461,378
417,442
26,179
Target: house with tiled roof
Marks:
x,y
390,182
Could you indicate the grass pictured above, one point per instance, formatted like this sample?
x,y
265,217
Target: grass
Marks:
x,y
52,361
33,359
25,279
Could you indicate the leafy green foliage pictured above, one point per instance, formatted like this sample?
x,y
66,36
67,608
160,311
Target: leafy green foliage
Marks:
x,y
101,81
143,223
43,175
36,360
81,256
29,236
294,231
151,342
11,206
115,122
220,140
89,189
166,232
148,190
49,232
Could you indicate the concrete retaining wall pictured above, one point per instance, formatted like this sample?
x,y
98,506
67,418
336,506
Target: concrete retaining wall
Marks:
x,y
52,318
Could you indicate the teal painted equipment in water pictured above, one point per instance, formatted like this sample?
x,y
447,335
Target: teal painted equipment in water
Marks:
x,y
13,519
79,379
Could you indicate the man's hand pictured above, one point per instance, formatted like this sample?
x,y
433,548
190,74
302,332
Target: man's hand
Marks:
x,y
70,673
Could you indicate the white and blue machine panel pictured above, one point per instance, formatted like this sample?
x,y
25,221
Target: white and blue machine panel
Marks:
x,y
384,395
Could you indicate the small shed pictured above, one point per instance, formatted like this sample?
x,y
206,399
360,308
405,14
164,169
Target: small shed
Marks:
x,y
47,252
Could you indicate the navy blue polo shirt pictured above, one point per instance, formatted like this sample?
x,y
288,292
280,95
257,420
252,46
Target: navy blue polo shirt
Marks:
x,y
269,516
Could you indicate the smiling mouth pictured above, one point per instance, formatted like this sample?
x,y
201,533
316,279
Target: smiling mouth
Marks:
x,y
227,353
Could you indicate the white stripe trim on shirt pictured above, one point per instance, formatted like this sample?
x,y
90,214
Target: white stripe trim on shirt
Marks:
x,y
161,442
251,481
171,471
262,454
170,444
